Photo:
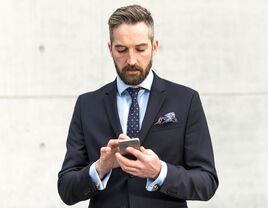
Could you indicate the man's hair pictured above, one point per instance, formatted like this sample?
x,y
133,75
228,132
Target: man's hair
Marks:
x,y
131,14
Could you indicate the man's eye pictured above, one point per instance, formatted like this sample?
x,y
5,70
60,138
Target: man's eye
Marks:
x,y
121,50
140,49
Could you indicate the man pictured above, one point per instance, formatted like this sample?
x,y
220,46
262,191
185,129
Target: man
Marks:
x,y
175,162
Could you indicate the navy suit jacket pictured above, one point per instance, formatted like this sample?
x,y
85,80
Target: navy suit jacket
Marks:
x,y
185,146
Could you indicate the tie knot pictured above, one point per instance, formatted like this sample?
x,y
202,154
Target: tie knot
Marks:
x,y
133,92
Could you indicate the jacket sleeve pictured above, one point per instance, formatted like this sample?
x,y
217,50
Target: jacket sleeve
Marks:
x,y
74,183
196,179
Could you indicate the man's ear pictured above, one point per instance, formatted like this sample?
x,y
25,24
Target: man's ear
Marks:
x,y
110,47
155,46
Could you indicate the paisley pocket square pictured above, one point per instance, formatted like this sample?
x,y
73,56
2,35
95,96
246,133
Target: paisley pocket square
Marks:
x,y
168,118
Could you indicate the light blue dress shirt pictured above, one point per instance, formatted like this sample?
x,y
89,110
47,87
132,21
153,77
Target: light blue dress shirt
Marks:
x,y
123,105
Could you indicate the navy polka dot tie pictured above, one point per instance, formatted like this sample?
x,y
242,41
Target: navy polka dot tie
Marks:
x,y
133,125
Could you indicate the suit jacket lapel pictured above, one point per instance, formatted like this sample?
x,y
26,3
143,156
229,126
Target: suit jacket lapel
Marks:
x,y
156,100
111,108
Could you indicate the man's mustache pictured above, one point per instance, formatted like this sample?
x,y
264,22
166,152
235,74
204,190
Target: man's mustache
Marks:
x,y
132,68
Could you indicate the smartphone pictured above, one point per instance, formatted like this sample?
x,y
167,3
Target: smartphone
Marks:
x,y
135,143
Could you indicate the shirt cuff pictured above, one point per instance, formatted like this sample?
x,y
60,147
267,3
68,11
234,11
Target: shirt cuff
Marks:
x,y
154,185
100,184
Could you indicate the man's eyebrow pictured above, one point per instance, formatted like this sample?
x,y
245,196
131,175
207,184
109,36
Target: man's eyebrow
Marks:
x,y
139,45
118,46
142,44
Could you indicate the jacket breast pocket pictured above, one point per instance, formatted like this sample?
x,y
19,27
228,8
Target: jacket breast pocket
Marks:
x,y
166,126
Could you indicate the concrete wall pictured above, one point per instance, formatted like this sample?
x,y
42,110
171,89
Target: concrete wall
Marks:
x,y
52,51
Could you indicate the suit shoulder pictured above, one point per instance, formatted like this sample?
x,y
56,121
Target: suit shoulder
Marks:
x,y
178,88
98,93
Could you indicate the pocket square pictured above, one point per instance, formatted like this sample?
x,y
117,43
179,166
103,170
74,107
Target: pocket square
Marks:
x,y
168,118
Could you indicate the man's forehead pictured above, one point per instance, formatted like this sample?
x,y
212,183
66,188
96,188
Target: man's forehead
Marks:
x,y
138,33
139,26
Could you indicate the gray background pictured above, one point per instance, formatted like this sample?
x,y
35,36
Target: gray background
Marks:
x,y
53,50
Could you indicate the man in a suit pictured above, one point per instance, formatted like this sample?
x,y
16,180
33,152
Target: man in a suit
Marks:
x,y
175,162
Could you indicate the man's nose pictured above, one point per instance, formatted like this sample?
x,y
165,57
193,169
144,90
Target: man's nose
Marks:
x,y
132,59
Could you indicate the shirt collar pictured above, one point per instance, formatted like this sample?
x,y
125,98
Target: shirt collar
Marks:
x,y
146,84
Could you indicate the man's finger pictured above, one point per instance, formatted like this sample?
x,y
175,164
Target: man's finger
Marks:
x,y
113,143
143,150
146,151
123,137
123,160
120,158
105,149
137,153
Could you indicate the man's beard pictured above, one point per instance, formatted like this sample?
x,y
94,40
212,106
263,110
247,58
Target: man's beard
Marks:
x,y
133,79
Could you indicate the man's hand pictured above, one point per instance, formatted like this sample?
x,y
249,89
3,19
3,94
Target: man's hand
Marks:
x,y
107,160
147,165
